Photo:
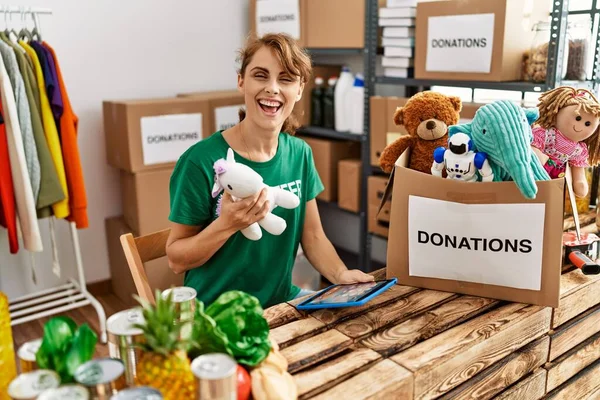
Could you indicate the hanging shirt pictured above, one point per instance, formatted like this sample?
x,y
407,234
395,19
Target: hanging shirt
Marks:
x,y
31,156
23,193
68,128
8,218
61,209
51,80
50,190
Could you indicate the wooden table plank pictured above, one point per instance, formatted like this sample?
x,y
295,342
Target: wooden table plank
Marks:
x,y
574,332
384,380
315,380
400,310
281,314
503,373
585,385
379,274
576,360
401,336
331,316
584,219
533,387
578,293
315,349
445,361
293,332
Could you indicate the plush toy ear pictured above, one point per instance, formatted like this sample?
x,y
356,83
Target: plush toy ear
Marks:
x,y
456,103
399,116
532,114
216,188
230,157
464,128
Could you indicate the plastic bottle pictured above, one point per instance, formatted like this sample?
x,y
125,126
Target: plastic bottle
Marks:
x,y
316,101
329,104
342,88
355,105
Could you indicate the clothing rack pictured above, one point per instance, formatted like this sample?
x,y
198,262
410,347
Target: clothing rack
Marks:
x,y
74,293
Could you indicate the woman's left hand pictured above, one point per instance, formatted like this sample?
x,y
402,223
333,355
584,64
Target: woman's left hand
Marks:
x,y
353,276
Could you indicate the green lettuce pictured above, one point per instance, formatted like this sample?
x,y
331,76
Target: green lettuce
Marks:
x,y
232,324
65,347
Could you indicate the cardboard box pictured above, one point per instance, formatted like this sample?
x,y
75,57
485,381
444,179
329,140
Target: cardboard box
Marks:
x,y
378,222
224,107
468,112
349,184
327,154
383,128
158,271
145,200
480,239
273,21
142,135
488,47
335,24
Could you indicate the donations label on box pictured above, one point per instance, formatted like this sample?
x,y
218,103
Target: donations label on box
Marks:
x,y
460,43
227,117
166,137
496,244
278,16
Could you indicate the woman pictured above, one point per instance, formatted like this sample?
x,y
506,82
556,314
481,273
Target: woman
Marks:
x,y
206,244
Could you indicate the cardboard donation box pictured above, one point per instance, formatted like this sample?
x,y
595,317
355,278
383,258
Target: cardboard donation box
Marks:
x,y
223,108
474,39
475,238
279,16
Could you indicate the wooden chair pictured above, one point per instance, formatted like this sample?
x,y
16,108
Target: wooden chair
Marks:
x,y
139,250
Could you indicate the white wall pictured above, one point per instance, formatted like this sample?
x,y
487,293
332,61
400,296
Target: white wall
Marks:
x,y
122,49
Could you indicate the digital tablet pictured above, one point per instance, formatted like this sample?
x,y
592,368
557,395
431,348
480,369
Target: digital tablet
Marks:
x,y
351,295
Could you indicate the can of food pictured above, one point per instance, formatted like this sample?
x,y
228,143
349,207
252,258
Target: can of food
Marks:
x,y
138,393
66,392
26,355
31,384
123,339
102,377
215,377
185,304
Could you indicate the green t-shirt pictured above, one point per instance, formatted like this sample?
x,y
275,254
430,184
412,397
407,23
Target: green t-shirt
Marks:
x,y
261,268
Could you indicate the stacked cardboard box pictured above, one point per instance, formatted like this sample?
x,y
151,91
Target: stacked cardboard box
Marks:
x,y
398,38
378,223
144,140
349,184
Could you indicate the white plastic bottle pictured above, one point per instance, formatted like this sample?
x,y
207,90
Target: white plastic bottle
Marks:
x,y
355,105
342,88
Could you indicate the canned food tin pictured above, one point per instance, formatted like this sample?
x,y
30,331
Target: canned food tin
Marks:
x,y
31,384
138,393
123,339
66,392
102,377
185,304
215,376
26,354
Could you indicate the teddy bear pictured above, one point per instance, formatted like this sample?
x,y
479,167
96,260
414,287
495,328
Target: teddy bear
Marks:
x,y
426,117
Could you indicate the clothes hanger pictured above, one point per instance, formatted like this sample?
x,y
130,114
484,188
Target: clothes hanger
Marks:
x,y
24,32
37,30
7,31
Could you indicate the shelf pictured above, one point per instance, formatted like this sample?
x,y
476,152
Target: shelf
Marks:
x,y
519,86
334,52
317,131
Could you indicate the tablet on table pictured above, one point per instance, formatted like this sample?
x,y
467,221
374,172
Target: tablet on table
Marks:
x,y
348,295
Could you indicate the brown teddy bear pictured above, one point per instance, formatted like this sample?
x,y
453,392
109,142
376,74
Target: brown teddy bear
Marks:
x,y
426,117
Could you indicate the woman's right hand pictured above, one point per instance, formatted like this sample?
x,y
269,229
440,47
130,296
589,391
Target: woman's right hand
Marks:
x,y
237,215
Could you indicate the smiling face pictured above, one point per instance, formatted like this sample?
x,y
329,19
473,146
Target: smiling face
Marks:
x,y
270,91
576,125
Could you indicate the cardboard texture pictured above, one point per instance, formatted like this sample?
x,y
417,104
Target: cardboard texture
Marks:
x,y
378,221
348,31
327,154
217,100
302,4
405,182
123,133
349,184
302,107
511,39
145,200
159,273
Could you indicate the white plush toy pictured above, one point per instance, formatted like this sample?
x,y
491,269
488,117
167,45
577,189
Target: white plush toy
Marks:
x,y
241,181
460,161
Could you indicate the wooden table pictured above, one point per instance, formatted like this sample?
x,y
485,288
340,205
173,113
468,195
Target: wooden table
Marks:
x,y
411,343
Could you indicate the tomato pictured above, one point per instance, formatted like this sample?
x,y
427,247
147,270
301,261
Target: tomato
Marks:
x,y
243,383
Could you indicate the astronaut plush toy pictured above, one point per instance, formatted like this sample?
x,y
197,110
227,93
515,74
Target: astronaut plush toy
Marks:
x,y
460,161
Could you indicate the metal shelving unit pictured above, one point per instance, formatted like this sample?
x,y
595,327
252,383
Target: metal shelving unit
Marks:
x,y
320,132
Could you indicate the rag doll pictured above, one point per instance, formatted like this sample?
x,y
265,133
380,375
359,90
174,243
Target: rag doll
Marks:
x,y
460,161
567,132
241,181
502,130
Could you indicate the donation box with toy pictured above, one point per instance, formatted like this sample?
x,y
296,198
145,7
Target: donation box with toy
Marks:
x,y
477,208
